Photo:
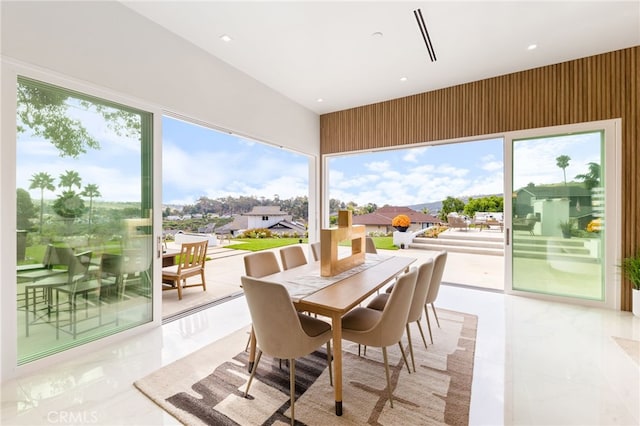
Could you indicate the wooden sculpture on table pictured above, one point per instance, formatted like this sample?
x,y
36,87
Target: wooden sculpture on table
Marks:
x,y
330,263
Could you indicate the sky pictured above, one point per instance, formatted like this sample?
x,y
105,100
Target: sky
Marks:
x,y
115,167
198,161
418,175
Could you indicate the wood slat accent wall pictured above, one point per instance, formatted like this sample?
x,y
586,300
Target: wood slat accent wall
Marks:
x,y
595,88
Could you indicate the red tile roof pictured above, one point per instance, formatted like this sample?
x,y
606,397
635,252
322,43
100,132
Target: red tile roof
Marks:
x,y
384,215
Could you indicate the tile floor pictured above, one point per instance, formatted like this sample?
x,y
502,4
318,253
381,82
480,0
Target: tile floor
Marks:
x,y
536,363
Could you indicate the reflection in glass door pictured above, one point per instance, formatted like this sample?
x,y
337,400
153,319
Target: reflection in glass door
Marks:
x,y
84,245
558,226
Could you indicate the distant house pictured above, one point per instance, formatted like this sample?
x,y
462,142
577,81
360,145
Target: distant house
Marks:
x,y
380,220
581,208
268,217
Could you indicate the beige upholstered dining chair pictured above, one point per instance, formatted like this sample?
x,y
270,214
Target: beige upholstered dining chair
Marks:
x,y
425,271
370,246
282,332
384,328
439,262
192,258
260,264
292,256
315,251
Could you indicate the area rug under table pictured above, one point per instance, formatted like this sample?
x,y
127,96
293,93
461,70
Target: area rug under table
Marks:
x,y
207,387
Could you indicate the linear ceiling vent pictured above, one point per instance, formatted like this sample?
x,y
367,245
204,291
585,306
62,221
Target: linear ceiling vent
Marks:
x,y
425,34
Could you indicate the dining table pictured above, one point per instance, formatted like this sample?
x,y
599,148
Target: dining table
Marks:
x,y
334,296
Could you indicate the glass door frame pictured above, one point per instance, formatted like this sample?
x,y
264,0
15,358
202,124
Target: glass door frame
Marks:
x,y
612,184
11,70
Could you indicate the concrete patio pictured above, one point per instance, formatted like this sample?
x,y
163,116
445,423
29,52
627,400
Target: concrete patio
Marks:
x,y
226,266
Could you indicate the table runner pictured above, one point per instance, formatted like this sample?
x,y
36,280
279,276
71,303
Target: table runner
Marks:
x,y
302,286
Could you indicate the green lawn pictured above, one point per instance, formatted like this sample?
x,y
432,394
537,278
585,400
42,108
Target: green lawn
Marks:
x,y
257,244
384,243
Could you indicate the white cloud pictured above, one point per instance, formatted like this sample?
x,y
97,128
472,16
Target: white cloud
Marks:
x,y
449,170
377,166
490,164
412,155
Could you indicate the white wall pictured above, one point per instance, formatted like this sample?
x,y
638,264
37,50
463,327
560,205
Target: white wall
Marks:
x,y
108,44
112,50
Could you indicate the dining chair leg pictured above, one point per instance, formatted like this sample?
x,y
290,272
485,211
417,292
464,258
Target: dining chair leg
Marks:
x,y
204,283
422,334
426,315
413,361
386,371
179,289
404,357
435,314
253,372
252,349
329,362
292,388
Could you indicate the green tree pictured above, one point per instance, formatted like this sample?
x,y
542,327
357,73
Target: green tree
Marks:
x,y
492,203
91,190
43,111
69,205
25,210
591,179
563,162
450,205
42,181
70,179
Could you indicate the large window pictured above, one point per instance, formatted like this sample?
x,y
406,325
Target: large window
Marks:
x,y
558,215
83,173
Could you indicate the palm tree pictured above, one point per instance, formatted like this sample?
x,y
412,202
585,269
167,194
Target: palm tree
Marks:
x,y
592,178
70,178
563,162
91,190
42,181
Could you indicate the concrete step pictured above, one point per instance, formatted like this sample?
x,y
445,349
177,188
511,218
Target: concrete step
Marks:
x,y
557,256
489,244
563,242
221,252
470,236
573,249
435,245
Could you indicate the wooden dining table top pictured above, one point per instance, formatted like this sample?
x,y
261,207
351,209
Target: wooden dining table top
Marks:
x,y
305,284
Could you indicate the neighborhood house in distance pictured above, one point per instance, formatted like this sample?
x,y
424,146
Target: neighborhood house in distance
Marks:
x,y
379,222
263,217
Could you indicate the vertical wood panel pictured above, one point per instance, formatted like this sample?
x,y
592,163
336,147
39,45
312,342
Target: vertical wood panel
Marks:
x,y
595,88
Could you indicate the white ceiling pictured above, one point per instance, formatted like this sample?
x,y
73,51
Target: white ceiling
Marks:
x,y
325,49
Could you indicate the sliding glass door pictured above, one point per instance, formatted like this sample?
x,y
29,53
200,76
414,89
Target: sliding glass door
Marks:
x,y
559,223
84,202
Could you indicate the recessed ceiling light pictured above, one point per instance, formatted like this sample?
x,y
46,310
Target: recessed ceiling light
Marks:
x,y
403,79
319,100
225,38
532,47
377,34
